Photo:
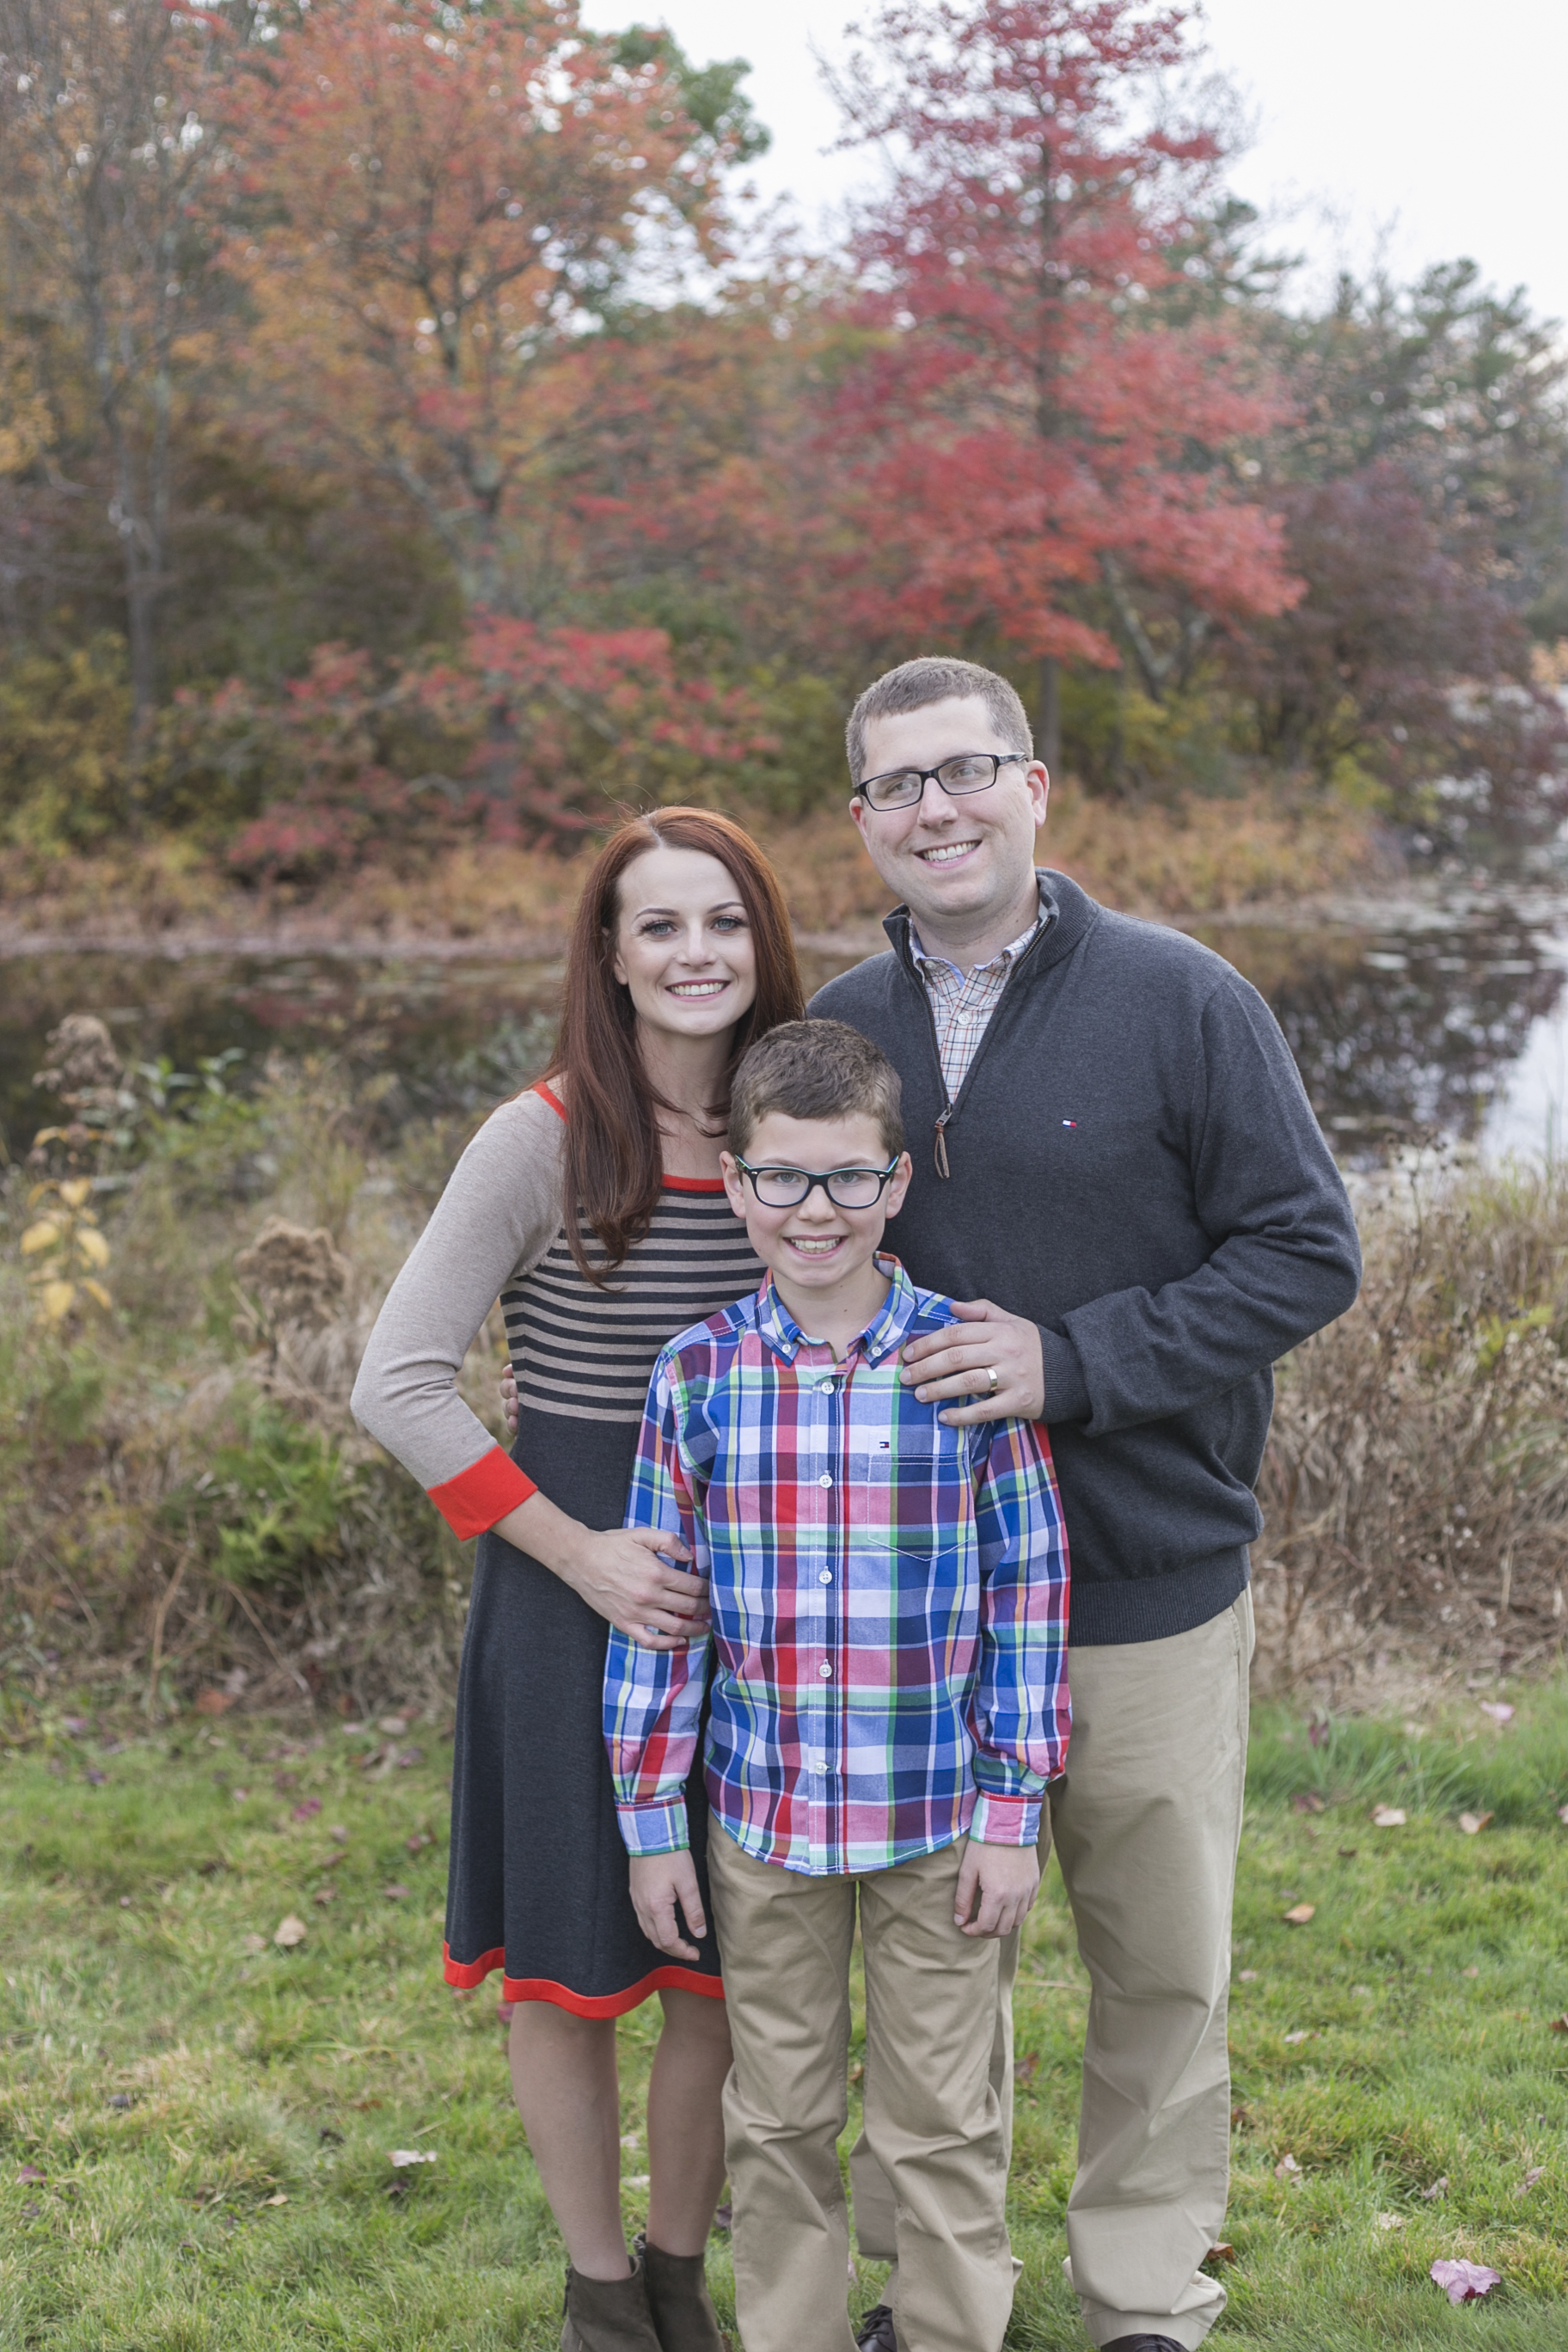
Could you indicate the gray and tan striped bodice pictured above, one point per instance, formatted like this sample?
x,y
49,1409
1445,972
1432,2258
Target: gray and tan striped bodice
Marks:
x,y
588,1353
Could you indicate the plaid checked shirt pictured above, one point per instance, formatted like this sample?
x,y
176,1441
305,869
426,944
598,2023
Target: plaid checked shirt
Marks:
x,y
963,1001
889,1600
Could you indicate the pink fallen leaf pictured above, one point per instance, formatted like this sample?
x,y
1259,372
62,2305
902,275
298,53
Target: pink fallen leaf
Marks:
x,y
418,1841
1498,1709
306,1810
1307,1801
1318,1731
1388,1817
1562,1814
1473,1822
1439,2188
394,1893
1465,2281
30,2173
338,1831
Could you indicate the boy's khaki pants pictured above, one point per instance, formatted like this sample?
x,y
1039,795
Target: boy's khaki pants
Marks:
x,y
930,2010
1146,1824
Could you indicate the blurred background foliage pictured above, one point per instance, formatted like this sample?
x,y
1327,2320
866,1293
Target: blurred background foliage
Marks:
x,y
343,526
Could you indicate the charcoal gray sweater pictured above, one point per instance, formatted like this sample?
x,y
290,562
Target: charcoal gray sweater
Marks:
x,y
1134,1166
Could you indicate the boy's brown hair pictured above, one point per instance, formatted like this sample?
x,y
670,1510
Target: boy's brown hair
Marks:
x,y
814,1069
916,685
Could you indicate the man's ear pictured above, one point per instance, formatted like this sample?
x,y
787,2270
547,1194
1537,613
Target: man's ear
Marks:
x,y
857,811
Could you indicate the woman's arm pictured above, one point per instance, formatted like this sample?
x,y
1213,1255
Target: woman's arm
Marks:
x,y
494,1221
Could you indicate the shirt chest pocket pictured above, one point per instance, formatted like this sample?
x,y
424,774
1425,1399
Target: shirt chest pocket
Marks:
x,y
909,1489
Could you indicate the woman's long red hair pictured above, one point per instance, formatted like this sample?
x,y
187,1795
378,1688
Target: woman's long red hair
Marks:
x,y
614,1165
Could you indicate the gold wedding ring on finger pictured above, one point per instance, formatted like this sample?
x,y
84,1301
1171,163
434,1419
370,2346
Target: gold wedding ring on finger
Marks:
x,y
995,1379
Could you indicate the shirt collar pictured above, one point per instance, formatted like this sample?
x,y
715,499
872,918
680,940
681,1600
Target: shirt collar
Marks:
x,y
1004,956
885,1333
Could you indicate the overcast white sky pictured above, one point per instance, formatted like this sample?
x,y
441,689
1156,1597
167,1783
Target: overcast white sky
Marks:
x,y
1435,126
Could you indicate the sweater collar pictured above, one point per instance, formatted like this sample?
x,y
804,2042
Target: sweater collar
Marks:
x,y
1067,914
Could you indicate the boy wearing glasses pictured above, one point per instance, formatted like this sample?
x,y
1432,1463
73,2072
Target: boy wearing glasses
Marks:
x,y
889,1700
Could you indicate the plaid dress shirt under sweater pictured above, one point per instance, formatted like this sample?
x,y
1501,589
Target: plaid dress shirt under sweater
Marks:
x,y
961,1002
889,1600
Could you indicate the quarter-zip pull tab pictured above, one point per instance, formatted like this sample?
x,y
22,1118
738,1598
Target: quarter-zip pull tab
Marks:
x,y
941,1167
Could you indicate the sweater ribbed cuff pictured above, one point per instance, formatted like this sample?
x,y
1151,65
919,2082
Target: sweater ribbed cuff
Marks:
x,y
485,1491
1066,1392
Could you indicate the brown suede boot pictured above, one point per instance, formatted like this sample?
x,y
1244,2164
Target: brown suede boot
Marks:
x,y
607,2314
682,2308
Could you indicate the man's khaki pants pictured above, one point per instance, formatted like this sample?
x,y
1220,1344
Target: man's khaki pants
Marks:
x,y
1146,1823
939,2134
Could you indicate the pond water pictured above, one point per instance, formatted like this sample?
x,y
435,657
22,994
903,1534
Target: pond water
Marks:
x,y
1408,1022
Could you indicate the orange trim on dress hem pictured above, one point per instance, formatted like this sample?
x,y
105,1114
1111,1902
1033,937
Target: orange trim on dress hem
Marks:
x,y
463,1975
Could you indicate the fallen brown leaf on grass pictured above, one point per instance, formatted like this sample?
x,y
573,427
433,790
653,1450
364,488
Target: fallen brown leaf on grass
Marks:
x,y
325,1895
337,1831
1027,2068
306,1810
289,1932
1390,2220
394,1893
1388,1817
419,1840
1559,2024
1289,2169
1439,2188
1223,2252
1247,1976
1307,1801
1465,2281
1531,2177
213,1702
1471,1822
29,2173
280,2200
1299,1913
1303,2034
253,1944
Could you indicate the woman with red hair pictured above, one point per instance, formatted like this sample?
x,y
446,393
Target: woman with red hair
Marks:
x,y
594,1208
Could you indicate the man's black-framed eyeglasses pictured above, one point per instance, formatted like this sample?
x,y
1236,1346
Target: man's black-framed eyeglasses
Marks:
x,y
847,1188
968,771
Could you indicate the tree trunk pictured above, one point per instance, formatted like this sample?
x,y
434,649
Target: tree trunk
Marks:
x,y
1049,715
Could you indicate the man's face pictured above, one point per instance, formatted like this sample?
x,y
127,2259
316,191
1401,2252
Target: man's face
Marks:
x,y
954,862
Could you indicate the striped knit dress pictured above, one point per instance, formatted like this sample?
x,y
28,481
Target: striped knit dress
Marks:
x,y
538,1881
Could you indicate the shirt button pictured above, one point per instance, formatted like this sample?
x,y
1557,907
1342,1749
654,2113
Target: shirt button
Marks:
x,y
824,1387
824,1576
824,1480
824,1670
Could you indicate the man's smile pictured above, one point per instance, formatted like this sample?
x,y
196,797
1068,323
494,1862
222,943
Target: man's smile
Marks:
x,y
943,852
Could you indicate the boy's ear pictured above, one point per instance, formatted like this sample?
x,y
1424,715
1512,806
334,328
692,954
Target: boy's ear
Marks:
x,y
735,1182
901,1184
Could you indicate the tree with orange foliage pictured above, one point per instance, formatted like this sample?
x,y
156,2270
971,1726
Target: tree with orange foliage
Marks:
x,y
1046,444
444,201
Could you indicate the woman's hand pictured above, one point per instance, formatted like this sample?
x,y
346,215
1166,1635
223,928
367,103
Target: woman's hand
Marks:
x,y
958,1362
659,1883
617,1571
508,1400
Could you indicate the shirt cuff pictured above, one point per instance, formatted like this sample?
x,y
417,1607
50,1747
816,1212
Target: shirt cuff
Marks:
x,y
1066,1392
1004,1821
659,1828
485,1491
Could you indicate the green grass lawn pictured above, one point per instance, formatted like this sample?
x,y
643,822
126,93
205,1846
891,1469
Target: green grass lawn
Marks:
x,y
196,2125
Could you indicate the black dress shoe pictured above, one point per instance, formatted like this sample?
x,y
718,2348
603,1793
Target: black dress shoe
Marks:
x,y
875,2333
1145,2344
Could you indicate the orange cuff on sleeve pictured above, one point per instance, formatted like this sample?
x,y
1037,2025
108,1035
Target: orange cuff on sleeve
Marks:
x,y
476,1497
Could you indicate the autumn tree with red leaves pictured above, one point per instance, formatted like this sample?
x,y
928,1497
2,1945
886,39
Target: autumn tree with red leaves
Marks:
x,y
445,199
1045,448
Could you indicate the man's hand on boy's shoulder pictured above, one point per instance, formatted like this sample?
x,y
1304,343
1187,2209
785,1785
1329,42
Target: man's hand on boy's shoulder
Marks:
x,y
996,1888
952,1367
659,1883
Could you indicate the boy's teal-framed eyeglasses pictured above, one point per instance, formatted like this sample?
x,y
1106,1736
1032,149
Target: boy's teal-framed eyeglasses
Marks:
x,y
967,772
847,1188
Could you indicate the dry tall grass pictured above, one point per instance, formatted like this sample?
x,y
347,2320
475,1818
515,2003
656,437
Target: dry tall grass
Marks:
x,y
1203,856
1415,1487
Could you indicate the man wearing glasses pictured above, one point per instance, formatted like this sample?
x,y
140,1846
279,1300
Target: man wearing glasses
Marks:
x,y
1116,1165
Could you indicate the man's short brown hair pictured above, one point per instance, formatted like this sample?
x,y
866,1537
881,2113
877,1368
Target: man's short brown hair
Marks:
x,y
916,685
816,1069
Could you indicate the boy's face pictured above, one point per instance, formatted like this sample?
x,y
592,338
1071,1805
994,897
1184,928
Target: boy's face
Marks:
x,y
815,1246
951,860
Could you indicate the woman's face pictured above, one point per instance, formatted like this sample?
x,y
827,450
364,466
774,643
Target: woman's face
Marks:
x,y
683,945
